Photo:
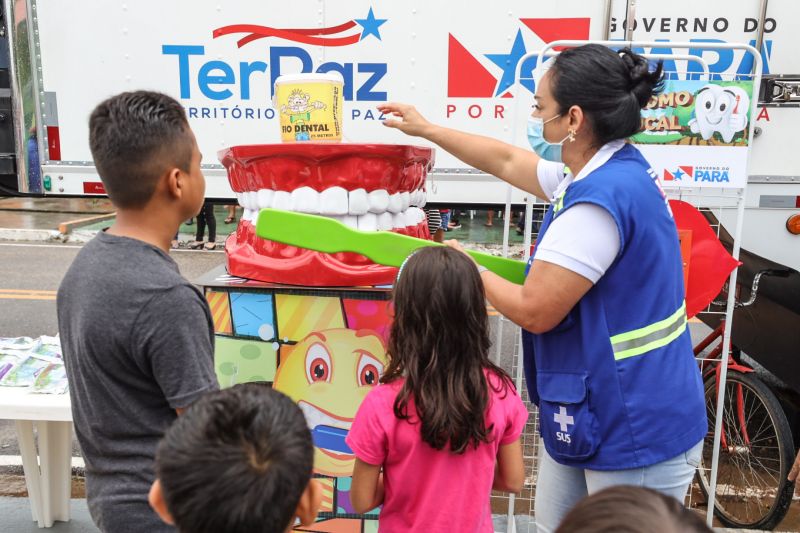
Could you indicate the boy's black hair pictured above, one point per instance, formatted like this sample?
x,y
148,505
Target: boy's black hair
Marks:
x,y
238,460
135,137
626,509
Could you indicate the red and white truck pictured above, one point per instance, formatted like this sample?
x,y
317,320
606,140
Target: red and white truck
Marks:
x,y
455,62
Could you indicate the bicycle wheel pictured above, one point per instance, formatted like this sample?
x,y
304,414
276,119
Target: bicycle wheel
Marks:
x,y
756,452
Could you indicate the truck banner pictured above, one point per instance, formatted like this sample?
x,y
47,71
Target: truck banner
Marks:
x,y
695,133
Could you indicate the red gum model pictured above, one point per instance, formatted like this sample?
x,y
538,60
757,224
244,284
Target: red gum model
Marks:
x,y
366,186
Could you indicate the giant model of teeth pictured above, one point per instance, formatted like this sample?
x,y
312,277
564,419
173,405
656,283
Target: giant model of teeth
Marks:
x,y
369,187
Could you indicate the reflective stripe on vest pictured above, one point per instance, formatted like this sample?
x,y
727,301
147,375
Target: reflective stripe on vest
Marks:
x,y
643,340
559,203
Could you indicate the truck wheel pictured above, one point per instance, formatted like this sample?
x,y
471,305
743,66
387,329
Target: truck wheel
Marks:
x,y
756,453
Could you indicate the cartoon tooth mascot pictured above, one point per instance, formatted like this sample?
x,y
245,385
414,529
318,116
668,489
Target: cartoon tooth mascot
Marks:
x,y
722,110
328,374
299,109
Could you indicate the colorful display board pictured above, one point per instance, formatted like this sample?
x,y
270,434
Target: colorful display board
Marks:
x,y
324,348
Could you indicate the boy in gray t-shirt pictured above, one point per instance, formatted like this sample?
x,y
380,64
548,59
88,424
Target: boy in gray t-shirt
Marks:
x,y
137,337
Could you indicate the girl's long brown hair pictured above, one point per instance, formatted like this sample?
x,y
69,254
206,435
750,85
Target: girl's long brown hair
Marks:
x,y
439,343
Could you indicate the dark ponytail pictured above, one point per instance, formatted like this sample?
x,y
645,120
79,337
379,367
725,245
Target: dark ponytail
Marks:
x,y
610,87
439,345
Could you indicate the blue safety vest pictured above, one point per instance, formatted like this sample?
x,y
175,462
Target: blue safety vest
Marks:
x,y
616,381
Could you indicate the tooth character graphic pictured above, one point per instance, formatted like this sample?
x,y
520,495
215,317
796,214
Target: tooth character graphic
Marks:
x,y
328,374
299,108
720,109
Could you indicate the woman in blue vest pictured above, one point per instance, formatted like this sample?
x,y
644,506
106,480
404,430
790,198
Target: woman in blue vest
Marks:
x,y
607,353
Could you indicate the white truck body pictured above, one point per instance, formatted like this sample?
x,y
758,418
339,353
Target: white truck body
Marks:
x,y
454,61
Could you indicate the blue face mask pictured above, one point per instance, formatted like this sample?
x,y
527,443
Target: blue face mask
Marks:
x,y
546,150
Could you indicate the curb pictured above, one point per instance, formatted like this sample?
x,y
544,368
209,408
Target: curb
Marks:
x,y
67,227
16,234
77,236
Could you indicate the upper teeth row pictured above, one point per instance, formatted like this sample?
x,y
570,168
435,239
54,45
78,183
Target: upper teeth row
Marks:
x,y
332,201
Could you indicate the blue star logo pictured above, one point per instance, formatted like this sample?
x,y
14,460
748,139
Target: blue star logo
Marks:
x,y
678,174
508,62
370,25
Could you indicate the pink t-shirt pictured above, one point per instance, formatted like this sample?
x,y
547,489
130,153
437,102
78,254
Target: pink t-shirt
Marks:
x,y
426,489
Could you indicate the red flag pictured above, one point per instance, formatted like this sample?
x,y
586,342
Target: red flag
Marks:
x,y
706,262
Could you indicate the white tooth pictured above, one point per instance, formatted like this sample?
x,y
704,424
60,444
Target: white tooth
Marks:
x,y
358,202
249,215
378,201
246,200
282,200
240,199
399,220
405,200
395,204
333,201
305,200
385,221
264,198
423,199
368,222
350,220
414,215
409,218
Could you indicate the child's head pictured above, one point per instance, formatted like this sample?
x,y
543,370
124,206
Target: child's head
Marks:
x,y
239,459
144,149
439,343
628,509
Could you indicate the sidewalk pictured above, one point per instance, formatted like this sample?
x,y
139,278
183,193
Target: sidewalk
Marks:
x,y
17,519
16,513
76,220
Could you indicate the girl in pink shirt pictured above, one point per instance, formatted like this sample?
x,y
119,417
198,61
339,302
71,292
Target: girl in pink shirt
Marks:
x,y
443,428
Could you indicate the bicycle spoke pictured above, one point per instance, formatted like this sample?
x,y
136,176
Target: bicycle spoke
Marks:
x,y
749,466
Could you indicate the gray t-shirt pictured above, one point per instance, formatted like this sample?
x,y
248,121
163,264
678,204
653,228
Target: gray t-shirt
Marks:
x,y
138,343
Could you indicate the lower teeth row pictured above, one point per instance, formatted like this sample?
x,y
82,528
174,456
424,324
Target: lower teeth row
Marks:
x,y
367,222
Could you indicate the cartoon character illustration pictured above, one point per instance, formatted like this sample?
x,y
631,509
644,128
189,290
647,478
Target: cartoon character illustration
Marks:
x,y
299,109
722,110
328,374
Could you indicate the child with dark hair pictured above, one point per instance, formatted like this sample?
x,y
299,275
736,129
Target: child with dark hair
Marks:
x,y
239,459
443,428
137,337
628,509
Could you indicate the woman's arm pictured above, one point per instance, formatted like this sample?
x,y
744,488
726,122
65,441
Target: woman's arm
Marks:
x,y
548,295
508,162
366,491
795,471
509,473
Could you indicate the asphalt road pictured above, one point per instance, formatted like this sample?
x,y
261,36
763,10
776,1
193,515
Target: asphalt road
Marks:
x,y
32,272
